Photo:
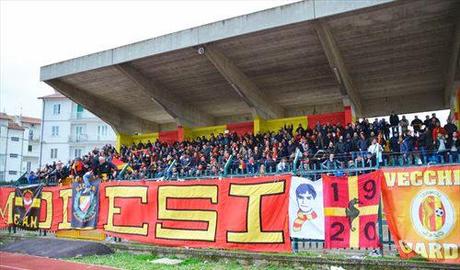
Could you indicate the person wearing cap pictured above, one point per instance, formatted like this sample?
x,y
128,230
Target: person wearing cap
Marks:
x,y
59,173
106,169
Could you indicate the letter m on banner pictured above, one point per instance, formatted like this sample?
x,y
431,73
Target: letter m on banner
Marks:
x,y
351,211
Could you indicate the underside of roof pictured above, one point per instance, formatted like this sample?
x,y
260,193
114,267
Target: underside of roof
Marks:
x,y
396,56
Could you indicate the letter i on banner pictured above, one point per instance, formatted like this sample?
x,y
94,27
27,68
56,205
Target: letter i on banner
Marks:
x,y
351,211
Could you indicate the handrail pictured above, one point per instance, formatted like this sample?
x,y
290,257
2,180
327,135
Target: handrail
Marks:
x,y
169,169
227,164
298,154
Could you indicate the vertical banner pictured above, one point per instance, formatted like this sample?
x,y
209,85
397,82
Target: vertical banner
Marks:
x,y
26,210
85,204
422,207
6,206
351,211
306,211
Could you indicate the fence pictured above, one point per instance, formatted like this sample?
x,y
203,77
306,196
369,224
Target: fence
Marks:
x,y
316,171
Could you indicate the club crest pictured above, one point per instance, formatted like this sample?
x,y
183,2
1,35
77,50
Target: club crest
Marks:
x,y
432,214
84,203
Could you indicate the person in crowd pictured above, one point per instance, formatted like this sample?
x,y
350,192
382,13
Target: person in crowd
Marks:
x,y
450,127
282,166
453,146
404,124
59,172
331,163
32,178
326,145
106,169
416,124
441,149
394,123
376,151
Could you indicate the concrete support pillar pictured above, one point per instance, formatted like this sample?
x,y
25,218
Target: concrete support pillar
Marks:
x,y
122,139
258,124
350,115
183,133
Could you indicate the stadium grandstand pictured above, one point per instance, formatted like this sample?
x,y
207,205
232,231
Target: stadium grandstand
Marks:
x,y
284,89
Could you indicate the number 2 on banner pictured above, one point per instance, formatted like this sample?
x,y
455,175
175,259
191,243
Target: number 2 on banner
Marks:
x,y
351,211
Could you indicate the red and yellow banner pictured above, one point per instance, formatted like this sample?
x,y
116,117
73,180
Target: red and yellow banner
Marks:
x,y
351,206
246,213
422,207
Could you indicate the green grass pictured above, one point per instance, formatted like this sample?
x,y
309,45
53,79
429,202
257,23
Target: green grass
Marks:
x,y
125,260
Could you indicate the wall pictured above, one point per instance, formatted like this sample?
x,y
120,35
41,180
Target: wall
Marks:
x,y
258,125
276,124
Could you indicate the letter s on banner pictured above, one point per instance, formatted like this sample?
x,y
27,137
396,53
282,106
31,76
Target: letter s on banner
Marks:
x,y
187,192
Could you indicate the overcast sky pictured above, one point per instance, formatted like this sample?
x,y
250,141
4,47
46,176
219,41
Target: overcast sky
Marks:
x,y
37,33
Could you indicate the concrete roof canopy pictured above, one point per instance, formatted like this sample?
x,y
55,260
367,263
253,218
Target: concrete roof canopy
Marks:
x,y
303,58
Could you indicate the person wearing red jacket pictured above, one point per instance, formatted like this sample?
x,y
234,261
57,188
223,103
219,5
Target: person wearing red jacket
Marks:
x,y
438,130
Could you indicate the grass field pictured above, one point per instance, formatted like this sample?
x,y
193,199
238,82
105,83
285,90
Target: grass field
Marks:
x,y
125,260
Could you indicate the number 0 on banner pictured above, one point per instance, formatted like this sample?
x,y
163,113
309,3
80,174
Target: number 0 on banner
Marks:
x,y
351,211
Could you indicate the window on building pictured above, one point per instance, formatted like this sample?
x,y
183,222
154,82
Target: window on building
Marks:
x,y
77,152
79,108
31,134
29,148
102,131
78,130
12,172
56,108
14,155
15,139
53,153
2,175
29,166
55,131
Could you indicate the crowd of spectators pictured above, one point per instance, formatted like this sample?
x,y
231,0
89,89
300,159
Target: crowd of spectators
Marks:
x,y
326,146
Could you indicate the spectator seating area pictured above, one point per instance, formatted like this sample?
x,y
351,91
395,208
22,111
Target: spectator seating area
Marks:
x,y
325,146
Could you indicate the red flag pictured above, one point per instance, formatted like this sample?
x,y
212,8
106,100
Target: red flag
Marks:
x,y
351,211
118,162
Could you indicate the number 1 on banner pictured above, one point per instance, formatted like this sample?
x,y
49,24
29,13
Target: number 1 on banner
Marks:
x,y
351,207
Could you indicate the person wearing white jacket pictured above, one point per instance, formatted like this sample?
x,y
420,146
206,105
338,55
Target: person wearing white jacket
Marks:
x,y
376,150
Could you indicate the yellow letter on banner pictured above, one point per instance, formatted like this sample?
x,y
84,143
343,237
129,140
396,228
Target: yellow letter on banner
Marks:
x,y
48,197
65,194
254,232
8,208
187,192
124,192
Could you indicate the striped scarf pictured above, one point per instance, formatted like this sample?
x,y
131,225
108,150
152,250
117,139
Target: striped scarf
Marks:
x,y
301,218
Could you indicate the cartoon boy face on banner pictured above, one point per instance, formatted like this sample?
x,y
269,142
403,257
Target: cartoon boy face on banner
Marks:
x,y
306,212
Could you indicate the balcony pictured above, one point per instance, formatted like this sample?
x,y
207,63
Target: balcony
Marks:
x,y
78,138
85,115
34,139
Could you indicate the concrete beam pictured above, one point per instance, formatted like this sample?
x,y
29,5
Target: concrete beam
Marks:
x,y
241,25
420,102
454,66
244,87
338,67
184,114
121,121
